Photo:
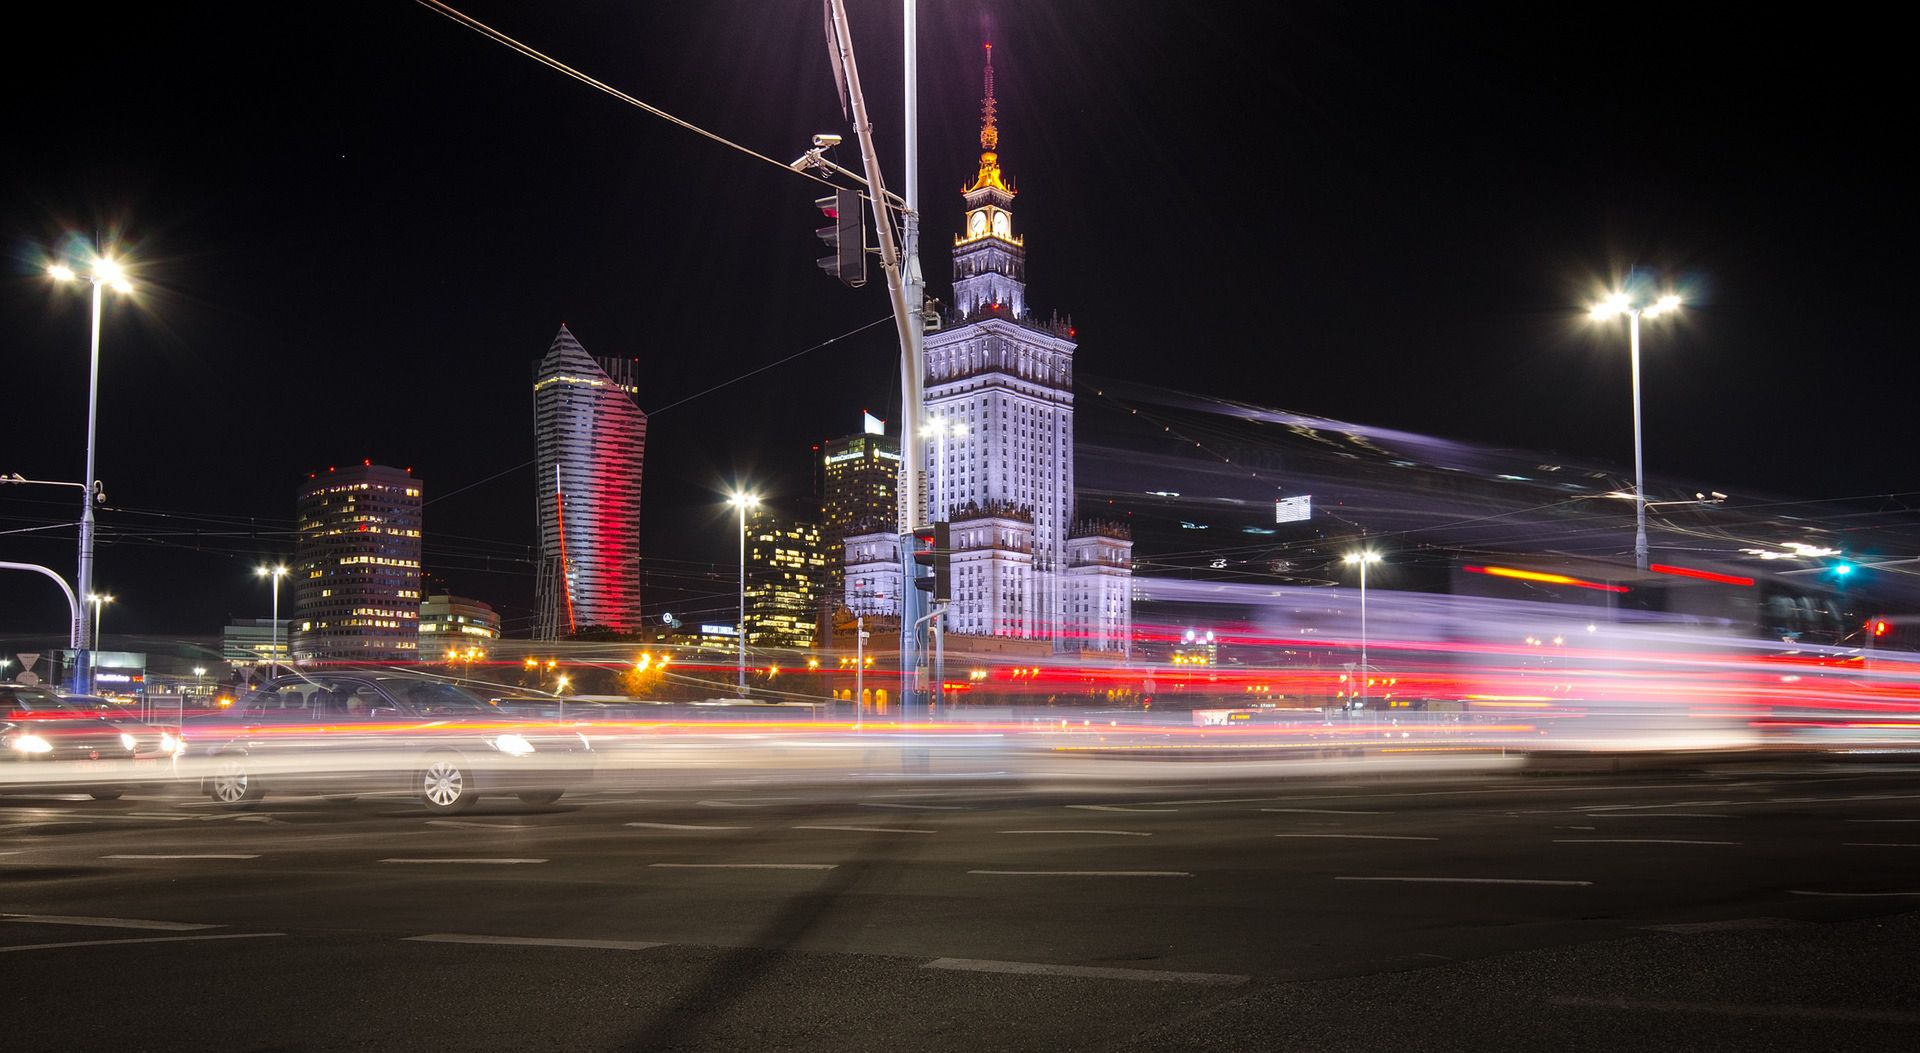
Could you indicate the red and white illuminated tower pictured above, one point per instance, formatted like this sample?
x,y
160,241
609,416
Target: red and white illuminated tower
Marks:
x,y
592,441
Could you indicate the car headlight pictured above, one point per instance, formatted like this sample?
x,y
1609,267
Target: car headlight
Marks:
x,y
30,744
171,743
512,745
128,742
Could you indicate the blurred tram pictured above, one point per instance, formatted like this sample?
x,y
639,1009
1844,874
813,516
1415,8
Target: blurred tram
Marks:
x,y
1676,656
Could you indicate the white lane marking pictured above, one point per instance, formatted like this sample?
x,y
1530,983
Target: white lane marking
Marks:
x,y
1083,873
1468,880
685,826
1361,837
467,860
1660,815
976,965
194,855
1321,811
1882,844
1635,841
916,807
106,923
1812,1012
872,829
743,866
1848,895
144,939
1117,808
465,825
1110,833
529,941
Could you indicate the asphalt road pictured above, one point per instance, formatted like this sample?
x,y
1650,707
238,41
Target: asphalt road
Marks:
x,y
1736,907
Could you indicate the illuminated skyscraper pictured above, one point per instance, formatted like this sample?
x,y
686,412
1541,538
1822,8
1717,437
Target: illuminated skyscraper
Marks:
x,y
356,573
999,456
860,484
591,440
786,576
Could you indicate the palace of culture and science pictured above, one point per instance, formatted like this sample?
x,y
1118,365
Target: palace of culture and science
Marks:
x,y
999,455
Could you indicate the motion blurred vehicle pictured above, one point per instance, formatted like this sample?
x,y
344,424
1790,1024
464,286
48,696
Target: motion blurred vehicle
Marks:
x,y
344,734
56,743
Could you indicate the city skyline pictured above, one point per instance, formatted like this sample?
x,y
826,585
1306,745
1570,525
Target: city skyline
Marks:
x,y
1358,312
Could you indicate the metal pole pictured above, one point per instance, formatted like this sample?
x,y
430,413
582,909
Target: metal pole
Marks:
x,y
859,669
1639,473
1363,634
273,647
741,670
83,659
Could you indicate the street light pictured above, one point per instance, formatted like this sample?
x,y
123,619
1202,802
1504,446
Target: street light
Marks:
x,y
104,273
1363,558
938,430
99,601
275,572
1615,305
743,501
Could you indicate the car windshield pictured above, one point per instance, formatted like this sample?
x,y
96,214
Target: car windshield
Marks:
x,y
430,699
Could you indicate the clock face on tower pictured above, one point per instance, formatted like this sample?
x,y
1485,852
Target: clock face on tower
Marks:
x,y
977,224
1000,224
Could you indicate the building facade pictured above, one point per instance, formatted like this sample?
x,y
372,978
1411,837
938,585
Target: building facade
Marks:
x,y
456,624
1000,445
249,642
591,440
786,578
356,585
860,481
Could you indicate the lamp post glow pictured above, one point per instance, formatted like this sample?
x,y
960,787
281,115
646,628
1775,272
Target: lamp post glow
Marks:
x,y
1606,310
105,272
743,501
276,572
1363,558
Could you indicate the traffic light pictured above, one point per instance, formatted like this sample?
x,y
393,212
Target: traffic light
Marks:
x,y
933,548
846,243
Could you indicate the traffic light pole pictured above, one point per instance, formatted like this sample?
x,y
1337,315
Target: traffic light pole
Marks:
x,y
907,308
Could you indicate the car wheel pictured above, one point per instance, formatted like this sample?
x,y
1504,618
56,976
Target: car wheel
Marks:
x,y
104,795
232,785
541,796
445,785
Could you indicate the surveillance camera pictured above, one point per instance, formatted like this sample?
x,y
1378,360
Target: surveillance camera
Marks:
x,y
825,140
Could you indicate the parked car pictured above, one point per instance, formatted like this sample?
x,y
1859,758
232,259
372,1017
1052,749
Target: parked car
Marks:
x,y
56,743
347,733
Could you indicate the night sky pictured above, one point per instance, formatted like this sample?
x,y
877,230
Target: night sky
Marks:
x,y
355,227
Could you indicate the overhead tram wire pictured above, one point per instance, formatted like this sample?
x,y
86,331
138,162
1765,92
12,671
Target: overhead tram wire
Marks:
x,y
599,85
698,394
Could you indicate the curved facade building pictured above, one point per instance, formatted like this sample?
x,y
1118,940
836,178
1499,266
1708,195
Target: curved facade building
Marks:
x,y
356,575
592,439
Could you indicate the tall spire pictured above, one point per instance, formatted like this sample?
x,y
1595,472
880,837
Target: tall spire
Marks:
x,y
989,131
989,138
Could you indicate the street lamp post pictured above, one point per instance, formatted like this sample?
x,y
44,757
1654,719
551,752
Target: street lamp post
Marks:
x,y
99,601
1608,309
1363,558
275,572
105,272
743,501
938,430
